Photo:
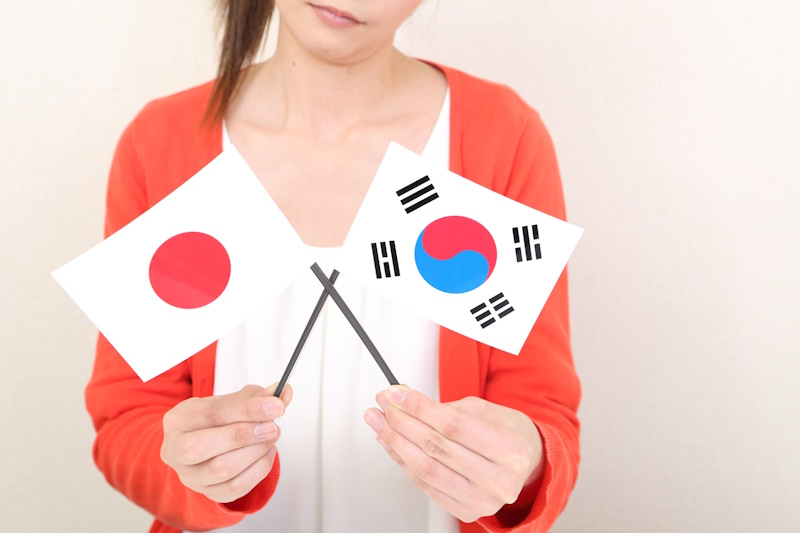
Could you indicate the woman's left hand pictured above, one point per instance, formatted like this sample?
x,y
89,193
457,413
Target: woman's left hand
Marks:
x,y
470,456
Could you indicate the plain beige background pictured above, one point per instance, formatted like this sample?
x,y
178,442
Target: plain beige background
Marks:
x,y
676,125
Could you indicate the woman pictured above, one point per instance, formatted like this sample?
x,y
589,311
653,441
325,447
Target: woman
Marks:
x,y
478,436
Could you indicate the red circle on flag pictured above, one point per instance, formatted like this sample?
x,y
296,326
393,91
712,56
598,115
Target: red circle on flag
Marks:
x,y
190,270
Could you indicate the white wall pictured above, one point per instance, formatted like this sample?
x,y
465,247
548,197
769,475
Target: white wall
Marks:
x,y
675,125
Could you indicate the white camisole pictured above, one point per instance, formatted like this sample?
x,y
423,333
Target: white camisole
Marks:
x,y
334,476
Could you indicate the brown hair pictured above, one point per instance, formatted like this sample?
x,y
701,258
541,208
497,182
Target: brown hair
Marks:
x,y
244,25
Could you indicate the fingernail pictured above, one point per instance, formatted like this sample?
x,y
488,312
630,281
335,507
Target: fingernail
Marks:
x,y
374,420
385,446
265,430
273,408
396,395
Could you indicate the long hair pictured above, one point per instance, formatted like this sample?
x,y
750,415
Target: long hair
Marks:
x,y
245,25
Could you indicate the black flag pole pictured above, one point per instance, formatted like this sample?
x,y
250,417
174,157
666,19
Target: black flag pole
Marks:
x,y
306,332
354,322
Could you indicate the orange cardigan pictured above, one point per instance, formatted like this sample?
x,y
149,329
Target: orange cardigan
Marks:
x,y
497,141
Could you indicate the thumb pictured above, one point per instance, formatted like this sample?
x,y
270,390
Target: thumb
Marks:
x,y
286,394
471,405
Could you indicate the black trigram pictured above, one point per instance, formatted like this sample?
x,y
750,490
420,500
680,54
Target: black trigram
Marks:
x,y
498,305
417,194
526,243
386,258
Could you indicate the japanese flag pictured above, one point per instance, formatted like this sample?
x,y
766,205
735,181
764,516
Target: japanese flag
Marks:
x,y
457,253
188,270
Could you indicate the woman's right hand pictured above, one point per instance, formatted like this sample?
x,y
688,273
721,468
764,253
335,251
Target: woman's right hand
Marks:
x,y
223,446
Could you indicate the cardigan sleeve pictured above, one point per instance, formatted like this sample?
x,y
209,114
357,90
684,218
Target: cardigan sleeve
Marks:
x,y
127,413
541,381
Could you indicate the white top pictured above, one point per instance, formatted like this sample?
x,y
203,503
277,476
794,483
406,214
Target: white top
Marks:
x,y
334,476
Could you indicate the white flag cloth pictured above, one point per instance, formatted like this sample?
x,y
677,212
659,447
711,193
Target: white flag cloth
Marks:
x,y
457,253
191,268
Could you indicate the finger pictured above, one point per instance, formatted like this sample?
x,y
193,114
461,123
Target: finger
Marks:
x,y
465,513
453,454
491,477
198,446
242,484
470,431
227,466
426,468
247,405
458,509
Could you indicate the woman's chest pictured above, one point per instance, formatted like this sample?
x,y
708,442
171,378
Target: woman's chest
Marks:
x,y
318,182
319,186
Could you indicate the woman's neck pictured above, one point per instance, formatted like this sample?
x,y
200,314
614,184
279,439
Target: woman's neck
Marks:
x,y
312,96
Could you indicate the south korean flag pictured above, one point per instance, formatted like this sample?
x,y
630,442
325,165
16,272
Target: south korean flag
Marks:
x,y
459,254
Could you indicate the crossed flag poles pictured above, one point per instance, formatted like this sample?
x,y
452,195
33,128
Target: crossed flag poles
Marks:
x,y
329,289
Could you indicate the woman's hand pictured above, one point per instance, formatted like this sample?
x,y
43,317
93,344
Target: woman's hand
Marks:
x,y
223,446
470,456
